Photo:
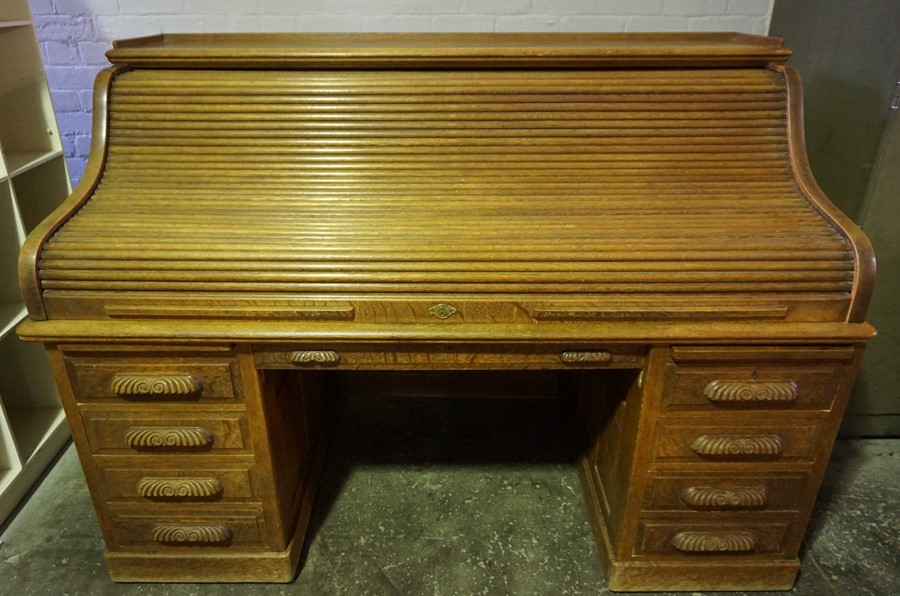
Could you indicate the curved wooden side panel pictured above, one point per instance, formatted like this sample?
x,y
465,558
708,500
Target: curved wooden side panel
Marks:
x,y
34,243
864,256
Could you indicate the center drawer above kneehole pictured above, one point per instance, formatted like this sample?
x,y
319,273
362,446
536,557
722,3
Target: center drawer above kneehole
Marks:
x,y
137,379
755,379
447,356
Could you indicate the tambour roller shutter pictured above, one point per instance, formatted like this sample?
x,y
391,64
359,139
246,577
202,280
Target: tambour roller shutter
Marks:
x,y
617,185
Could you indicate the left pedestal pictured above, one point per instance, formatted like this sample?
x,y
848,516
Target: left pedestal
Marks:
x,y
201,467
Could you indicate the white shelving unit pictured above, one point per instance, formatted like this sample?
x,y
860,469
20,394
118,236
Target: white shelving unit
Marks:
x,y
33,181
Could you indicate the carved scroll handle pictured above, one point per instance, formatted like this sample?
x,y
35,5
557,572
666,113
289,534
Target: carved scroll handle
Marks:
x,y
750,391
179,488
738,445
180,437
714,542
190,534
316,358
709,497
585,358
155,385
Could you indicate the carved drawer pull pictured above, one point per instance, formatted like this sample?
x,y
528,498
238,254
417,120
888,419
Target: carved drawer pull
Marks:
x,y
190,437
179,488
750,391
738,445
316,358
191,534
586,358
155,385
714,542
708,497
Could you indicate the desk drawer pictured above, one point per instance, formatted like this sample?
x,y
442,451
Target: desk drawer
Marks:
x,y
751,386
714,539
448,356
725,492
189,529
730,441
154,379
192,483
175,433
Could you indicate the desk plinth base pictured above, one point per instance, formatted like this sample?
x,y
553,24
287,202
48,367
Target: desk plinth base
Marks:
x,y
659,576
211,567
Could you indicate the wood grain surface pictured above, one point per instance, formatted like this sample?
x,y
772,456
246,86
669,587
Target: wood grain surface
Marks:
x,y
379,185
270,224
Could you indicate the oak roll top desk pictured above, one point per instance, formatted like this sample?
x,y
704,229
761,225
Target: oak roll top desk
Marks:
x,y
636,212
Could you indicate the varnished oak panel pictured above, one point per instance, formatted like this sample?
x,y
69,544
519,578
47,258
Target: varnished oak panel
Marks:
x,y
295,415
631,217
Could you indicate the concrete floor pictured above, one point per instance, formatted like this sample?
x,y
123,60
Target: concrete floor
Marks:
x,y
443,496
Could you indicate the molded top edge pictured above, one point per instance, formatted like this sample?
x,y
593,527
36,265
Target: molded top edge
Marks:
x,y
448,50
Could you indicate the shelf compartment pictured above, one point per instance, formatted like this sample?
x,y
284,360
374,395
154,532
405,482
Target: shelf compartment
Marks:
x,y
18,163
28,123
32,426
9,462
7,475
20,477
11,237
11,314
29,394
40,189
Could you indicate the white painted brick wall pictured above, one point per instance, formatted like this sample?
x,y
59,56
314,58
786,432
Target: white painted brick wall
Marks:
x,y
74,34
